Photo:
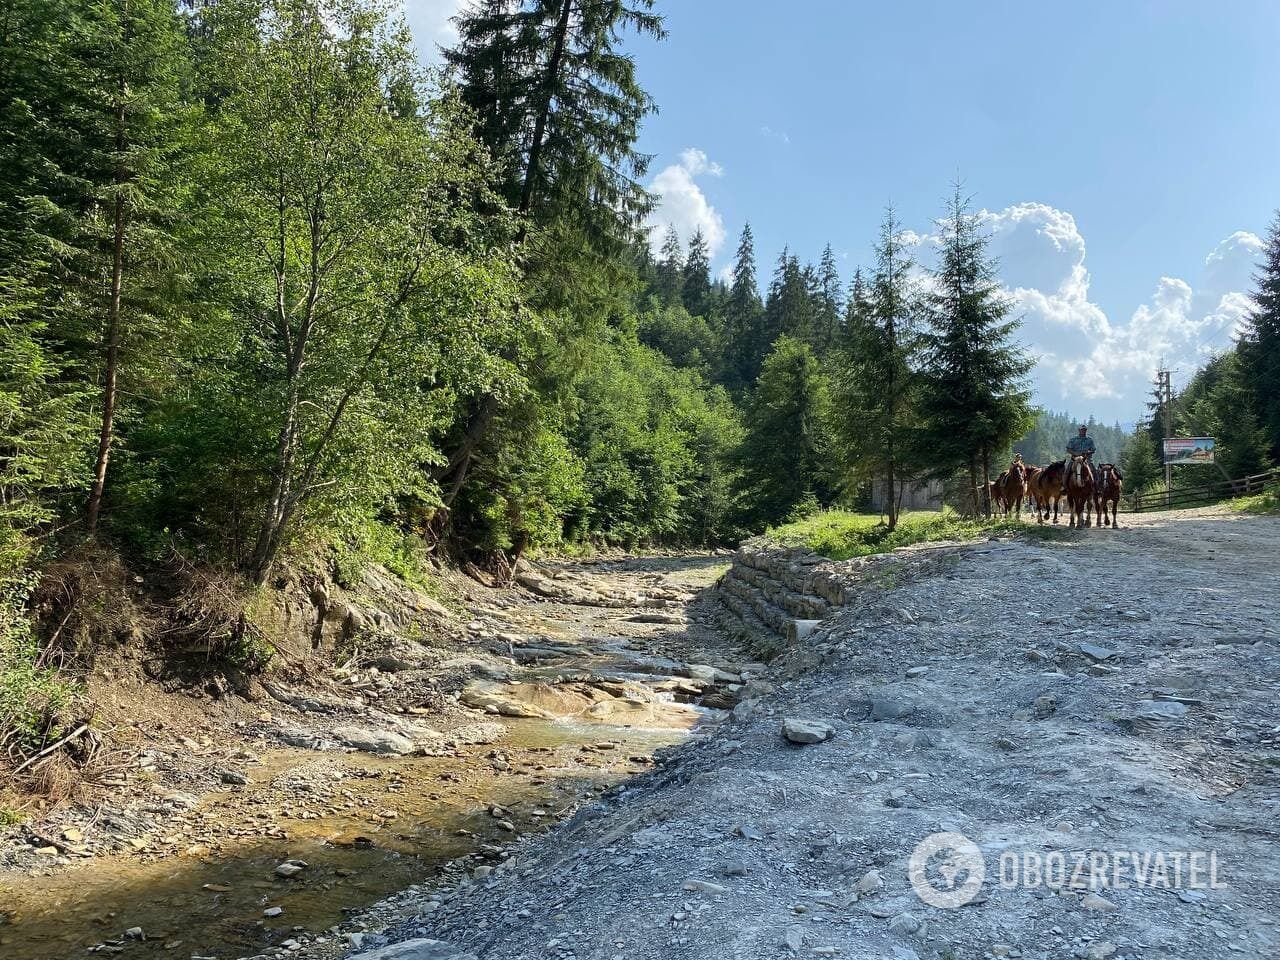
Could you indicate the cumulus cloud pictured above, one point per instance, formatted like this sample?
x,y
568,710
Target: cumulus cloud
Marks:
x,y
431,22
682,204
1088,362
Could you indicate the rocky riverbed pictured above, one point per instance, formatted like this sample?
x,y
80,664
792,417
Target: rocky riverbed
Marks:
x,y
443,740
1091,700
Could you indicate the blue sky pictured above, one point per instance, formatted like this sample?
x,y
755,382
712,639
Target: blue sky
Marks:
x,y
1126,154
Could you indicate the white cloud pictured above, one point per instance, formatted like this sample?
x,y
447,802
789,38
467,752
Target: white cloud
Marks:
x,y
431,23
682,204
771,134
1089,363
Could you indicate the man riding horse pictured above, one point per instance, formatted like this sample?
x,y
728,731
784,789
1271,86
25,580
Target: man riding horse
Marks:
x,y
1081,445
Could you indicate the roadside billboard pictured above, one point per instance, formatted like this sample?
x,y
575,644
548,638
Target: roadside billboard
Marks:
x,y
1188,450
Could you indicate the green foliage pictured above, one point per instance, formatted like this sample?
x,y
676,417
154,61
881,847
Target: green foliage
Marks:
x,y
875,380
784,457
1140,462
841,535
974,398
1259,348
652,440
1266,503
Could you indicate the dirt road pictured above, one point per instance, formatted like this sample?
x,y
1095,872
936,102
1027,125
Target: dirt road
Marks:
x,y
1107,702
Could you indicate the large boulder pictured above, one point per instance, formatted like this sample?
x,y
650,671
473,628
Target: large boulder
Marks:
x,y
374,741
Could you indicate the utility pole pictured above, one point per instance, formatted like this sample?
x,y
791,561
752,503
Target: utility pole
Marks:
x,y
1164,404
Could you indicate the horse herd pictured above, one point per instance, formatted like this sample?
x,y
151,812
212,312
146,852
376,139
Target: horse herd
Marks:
x,y
1089,490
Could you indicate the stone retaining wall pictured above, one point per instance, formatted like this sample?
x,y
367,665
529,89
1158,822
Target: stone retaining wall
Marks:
x,y
770,587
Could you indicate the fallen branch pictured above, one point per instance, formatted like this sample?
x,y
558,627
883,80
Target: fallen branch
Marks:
x,y
48,750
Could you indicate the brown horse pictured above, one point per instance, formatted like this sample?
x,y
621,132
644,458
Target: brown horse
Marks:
x,y
1046,487
1080,490
1010,488
1110,490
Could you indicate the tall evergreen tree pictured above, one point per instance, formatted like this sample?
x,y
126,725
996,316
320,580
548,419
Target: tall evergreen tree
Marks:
x,y
744,317
558,100
696,290
828,304
1260,345
874,389
974,397
784,457
136,123
670,272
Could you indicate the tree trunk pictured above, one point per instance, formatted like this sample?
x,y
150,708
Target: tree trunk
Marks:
x,y
264,551
540,125
973,486
986,478
111,373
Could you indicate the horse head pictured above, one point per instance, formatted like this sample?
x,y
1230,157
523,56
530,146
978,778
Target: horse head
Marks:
x,y
1081,474
1018,469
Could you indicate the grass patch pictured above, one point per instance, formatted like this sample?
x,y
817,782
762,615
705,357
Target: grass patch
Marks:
x,y
1266,503
842,535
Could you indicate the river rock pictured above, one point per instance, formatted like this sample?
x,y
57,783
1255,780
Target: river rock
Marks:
x,y
702,886
1096,904
807,731
374,741
419,949
1156,714
291,868
1096,653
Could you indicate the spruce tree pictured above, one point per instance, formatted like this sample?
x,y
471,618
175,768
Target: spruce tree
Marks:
x,y
744,316
670,273
974,396
784,457
696,290
875,381
558,101
135,121
1260,345
828,304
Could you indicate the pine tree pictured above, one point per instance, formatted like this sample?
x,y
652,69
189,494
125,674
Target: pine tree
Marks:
x,y
1260,345
784,457
744,317
559,102
135,122
974,396
828,305
670,273
1140,461
875,382
696,291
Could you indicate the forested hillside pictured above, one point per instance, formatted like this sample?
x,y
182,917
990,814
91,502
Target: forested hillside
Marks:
x,y
268,287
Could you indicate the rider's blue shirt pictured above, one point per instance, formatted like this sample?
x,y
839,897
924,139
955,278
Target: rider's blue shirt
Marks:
x,y
1078,445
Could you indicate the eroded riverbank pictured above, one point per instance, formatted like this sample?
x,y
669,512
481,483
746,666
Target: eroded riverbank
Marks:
x,y
546,697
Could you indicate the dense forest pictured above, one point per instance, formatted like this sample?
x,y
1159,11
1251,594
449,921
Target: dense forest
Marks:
x,y
267,286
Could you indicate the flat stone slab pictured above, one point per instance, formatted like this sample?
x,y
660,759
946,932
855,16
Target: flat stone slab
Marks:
x,y
807,731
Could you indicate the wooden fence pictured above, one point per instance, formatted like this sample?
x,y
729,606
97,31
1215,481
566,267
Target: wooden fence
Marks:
x,y
1202,495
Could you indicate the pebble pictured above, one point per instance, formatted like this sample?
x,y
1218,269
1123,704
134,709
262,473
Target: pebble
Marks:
x,y
702,886
135,933
291,868
915,672
1097,904
1045,706
793,939
871,881
905,925
1101,950
273,911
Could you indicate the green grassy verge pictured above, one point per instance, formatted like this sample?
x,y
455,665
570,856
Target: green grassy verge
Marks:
x,y
1266,503
841,535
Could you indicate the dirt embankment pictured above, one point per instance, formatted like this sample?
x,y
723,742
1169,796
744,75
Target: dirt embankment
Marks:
x,y
1089,702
